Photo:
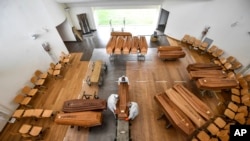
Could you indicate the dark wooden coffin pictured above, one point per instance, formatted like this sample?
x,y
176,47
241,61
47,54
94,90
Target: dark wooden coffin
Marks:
x,y
80,105
207,73
203,66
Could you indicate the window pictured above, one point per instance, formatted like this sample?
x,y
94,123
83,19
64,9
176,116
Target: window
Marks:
x,y
129,17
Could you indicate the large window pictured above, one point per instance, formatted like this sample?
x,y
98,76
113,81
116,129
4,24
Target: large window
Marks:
x,y
129,17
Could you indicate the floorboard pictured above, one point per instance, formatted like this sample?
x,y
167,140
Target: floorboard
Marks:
x,y
147,78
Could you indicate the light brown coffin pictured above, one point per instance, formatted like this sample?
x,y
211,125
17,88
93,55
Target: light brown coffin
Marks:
x,y
194,101
216,83
179,101
111,45
207,73
122,104
84,119
203,66
143,45
119,45
169,48
120,33
171,54
175,115
81,105
135,45
127,45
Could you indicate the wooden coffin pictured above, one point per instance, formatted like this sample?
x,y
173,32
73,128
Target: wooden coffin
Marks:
x,y
175,115
119,45
143,45
80,105
179,101
111,45
135,45
201,107
122,104
116,33
203,66
84,119
207,73
216,83
171,54
127,45
169,48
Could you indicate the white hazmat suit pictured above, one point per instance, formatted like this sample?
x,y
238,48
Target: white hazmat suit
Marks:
x,y
112,100
133,110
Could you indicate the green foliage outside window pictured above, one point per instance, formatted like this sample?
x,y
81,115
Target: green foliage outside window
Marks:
x,y
131,16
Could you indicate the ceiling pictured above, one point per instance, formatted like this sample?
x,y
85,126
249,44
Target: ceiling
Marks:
x,y
72,3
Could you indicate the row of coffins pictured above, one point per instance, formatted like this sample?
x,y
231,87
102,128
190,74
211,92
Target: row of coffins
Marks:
x,y
125,43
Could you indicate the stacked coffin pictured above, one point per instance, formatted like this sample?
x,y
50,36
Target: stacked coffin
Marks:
x,y
170,52
143,46
125,43
184,110
203,66
210,77
82,112
119,44
135,45
111,45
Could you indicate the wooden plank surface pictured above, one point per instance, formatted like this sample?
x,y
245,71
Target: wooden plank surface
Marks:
x,y
175,115
95,76
146,79
207,73
202,108
84,119
122,104
216,83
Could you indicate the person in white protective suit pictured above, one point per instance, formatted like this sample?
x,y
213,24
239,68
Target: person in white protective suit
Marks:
x,y
112,100
133,111
123,79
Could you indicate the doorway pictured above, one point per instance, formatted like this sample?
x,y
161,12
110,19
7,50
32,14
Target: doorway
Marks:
x,y
162,22
83,21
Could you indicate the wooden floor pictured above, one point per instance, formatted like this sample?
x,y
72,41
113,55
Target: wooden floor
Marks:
x,y
147,79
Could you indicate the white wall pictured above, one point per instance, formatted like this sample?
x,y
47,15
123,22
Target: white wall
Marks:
x,y
55,11
20,55
191,17
65,31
